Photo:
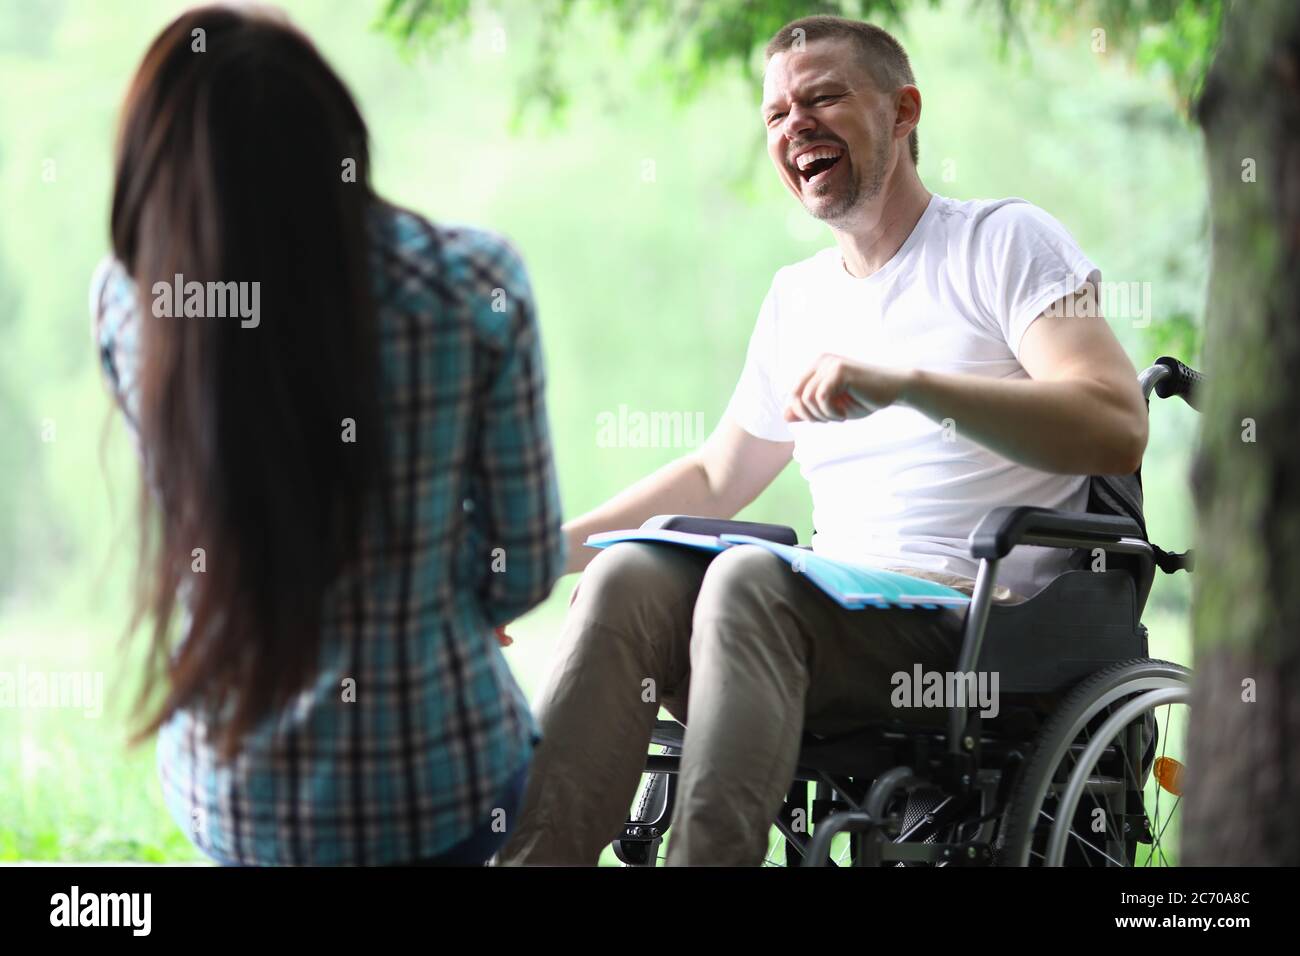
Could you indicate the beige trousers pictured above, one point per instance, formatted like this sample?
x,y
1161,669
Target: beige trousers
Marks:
x,y
742,651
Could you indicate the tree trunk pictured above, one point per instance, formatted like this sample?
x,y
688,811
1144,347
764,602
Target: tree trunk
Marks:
x,y
1243,791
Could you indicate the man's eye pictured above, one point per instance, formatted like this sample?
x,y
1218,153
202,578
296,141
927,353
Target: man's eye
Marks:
x,y
823,99
774,117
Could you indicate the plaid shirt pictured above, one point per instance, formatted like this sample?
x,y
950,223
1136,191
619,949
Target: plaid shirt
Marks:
x,y
438,726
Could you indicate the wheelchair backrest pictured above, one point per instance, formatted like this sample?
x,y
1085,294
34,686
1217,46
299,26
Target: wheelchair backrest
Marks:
x,y
1121,495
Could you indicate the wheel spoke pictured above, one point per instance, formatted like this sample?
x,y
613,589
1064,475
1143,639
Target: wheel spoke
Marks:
x,y
1080,840
839,860
1106,815
1157,847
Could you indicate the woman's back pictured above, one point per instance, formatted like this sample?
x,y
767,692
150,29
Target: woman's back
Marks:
x,y
401,725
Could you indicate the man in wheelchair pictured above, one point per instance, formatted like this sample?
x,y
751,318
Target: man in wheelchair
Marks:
x,y
943,358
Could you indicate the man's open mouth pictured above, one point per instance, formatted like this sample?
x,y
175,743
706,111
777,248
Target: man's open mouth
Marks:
x,y
815,163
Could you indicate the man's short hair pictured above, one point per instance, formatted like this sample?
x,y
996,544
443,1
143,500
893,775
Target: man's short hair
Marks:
x,y
881,55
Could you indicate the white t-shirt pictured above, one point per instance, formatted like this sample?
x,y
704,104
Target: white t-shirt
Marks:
x,y
897,489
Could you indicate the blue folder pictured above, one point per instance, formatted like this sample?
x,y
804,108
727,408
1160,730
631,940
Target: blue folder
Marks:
x,y
852,586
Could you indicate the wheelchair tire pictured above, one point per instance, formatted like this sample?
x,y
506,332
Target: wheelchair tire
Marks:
x,y
1021,835
643,833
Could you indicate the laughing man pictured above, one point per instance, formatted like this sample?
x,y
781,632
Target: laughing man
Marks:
x,y
929,366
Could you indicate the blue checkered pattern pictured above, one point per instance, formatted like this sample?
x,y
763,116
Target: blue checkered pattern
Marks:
x,y
438,726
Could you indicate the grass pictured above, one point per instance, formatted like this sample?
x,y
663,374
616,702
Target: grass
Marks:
x,y
73,790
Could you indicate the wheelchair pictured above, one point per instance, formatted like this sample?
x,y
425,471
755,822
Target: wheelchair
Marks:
x,y
1079,768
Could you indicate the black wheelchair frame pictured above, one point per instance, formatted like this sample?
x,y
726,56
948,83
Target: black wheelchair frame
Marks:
x,y
958,781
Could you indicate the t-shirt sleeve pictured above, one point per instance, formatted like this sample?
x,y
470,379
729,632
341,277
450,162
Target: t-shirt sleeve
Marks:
x,y
1024,261
755,405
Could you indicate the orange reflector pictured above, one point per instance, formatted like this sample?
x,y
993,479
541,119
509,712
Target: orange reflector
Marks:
x,y
1169,774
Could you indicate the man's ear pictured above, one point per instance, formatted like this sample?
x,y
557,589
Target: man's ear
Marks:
x,y
907,110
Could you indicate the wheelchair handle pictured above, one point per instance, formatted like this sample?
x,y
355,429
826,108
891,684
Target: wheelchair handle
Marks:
x,y
1181,380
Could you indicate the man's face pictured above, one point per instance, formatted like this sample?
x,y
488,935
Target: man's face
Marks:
x,y
828,128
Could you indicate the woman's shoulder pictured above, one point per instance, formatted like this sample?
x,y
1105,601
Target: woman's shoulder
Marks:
x,y
454,263
469,256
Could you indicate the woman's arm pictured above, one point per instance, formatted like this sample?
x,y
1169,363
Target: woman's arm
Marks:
x,y
519,507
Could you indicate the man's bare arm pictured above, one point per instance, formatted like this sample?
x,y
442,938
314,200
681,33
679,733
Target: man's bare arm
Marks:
x,y
1080,411
716,480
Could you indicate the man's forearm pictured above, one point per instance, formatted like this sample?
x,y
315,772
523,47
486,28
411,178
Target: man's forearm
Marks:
x,y
679,487
1077,427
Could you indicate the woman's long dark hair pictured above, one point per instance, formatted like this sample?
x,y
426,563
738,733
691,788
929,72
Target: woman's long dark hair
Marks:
x,y
235,149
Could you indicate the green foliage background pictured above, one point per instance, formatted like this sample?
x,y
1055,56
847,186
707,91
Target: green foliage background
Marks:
x,y
647,288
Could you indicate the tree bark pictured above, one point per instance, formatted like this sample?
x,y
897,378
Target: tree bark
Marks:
x,y
1242,799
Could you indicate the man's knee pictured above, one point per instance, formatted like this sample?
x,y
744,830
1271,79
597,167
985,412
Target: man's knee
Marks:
x,y
622,577
748,592
741,577
634,603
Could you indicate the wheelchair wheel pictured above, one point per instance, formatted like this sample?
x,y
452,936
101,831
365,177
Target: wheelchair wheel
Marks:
x,y
1103,782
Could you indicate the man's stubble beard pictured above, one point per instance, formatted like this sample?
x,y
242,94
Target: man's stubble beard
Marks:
x,y
863,189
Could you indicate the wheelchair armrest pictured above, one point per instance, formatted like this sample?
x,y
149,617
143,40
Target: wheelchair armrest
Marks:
x,y
1004,528
714,526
